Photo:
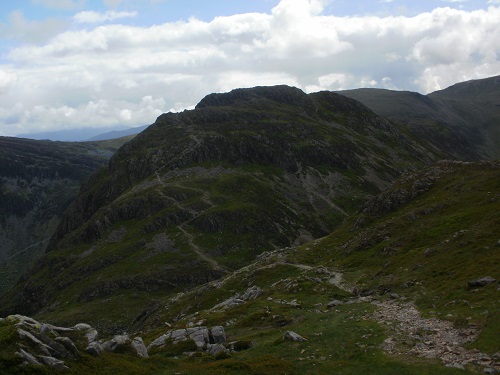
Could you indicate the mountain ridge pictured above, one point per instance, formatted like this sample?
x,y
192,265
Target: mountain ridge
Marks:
x,y
464,116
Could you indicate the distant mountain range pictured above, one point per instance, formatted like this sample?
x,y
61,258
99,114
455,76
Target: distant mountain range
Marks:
x,y
84,134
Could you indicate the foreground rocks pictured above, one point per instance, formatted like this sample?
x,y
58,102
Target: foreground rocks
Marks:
x,y
209,340
41,344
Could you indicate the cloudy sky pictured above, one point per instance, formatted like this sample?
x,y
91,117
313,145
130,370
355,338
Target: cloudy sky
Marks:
x,y
99,63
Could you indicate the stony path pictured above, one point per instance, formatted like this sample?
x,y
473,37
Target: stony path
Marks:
x,y
409,333
198,251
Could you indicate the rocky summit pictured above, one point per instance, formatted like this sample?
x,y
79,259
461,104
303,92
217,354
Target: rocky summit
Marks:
x,y
269,231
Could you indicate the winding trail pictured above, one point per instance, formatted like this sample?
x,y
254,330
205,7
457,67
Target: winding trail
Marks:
x,y
198,251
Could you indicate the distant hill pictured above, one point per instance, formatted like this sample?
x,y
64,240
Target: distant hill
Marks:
x,y
463,119
118,133
84,134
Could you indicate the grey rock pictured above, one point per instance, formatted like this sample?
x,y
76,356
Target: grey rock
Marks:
x,y
28,358
69,345
82,327
21,320
290,335
25,335
217,348
95,348
217,335
91,335
489,370
394,296
178,335
139,347
334,303
455,365
160,341
293,303
481,282
230,302
52,362
236,300
252,293
199,335
116,342
56,349
46,329
55,329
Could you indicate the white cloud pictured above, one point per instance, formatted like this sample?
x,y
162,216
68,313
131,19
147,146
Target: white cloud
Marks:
x,y
21,29
96,17
118,74
7,80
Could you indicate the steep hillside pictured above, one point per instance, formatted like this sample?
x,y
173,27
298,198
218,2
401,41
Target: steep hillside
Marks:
x,y
203,192
38,180
463,119
406,285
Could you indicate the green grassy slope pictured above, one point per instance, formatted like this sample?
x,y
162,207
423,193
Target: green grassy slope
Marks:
x,y
416,245
423,240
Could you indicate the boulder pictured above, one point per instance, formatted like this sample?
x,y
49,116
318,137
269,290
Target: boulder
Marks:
x,y
230,302
139,347
215,349
91,335
69,346
46,329
481,282
52,362
252,293
334,303
56,349
24,320
160,341
28,358
178,335
55,329
489,370
199,335
25,335
95,348
290,335
217,335
117,342
82,327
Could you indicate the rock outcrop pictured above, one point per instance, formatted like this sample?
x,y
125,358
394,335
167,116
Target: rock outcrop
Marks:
x,y
41,344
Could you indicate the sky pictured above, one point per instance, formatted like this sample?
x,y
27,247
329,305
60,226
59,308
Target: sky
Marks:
x,y
67,64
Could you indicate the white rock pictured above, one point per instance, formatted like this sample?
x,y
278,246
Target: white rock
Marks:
x,y
290,335
139,347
